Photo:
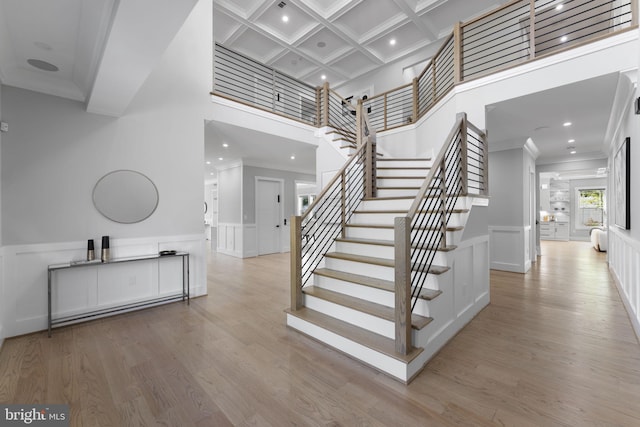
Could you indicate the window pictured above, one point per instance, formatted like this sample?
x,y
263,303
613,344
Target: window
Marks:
x,y
591,203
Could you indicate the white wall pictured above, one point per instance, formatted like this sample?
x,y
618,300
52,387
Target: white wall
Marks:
x,y
507,229
3,298
55,152
624,245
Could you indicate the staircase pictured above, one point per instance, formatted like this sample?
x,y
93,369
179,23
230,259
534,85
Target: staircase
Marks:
x,y
372,259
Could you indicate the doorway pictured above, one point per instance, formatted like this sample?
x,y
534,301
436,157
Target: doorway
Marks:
x,y
269,214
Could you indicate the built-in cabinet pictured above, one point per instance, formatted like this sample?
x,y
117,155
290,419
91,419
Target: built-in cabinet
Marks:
x,y
559,197
553,230
555,203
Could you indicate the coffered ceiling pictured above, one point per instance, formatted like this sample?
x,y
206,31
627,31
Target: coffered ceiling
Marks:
x,y
340,39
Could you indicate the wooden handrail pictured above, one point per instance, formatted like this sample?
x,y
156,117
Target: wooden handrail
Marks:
x,y
333,181
425,185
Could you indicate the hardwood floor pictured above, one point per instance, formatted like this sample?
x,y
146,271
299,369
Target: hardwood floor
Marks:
x,y
554,347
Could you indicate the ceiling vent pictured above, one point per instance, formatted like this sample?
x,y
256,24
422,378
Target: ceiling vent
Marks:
x,y
281,4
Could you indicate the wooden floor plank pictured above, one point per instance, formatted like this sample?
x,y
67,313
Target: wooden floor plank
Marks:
x,y
555,348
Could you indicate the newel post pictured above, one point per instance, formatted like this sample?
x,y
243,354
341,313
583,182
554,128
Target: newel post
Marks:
x,y
359,124
325,105
464,161
415,89
457,53
296,263
402,226
532,29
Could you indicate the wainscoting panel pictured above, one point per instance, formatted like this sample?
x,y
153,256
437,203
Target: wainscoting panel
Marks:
x,y
24,303
507,248
238,240
624,264
249,240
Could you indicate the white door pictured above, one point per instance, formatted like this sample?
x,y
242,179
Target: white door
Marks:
x,y
268,216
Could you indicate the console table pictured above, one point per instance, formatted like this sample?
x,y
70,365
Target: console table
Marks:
x,y
184,295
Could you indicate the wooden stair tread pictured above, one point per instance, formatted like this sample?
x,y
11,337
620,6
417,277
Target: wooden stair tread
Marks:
x,y
372,282
361,336
400,211
386,243
384,262
409,159
403,177
358,225
377,310
429,294
384,168
397,188
404,197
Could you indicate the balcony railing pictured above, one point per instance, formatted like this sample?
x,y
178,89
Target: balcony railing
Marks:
x,y
517,32
242,79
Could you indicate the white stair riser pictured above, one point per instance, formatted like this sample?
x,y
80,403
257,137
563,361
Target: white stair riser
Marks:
x,y
388,234
375,218
379,296
455,219
362,320
399,182
364,269
387,364
396,192
385,205
382,251
382,172
405,163
377,271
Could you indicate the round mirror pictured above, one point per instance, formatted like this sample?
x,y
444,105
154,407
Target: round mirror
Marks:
x,y
125,196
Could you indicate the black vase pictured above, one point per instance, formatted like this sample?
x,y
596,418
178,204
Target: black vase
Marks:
x,y
105,249
91,254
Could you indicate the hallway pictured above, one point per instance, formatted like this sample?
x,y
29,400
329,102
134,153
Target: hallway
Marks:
x,y
554,348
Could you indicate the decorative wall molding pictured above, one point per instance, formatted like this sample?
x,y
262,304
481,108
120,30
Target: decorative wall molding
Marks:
x,y
238,240
25,270
624,265
507,245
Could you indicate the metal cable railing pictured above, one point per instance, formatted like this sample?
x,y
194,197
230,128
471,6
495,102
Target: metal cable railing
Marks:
x,y
497,40
512,34
576,21
339,114
244,80
459,169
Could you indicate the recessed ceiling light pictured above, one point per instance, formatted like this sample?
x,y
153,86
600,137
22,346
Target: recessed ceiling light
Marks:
x,y
208,162
323,77
572,151
220,158
43,45
392,42
293,157
285,18
559,7
565,124
225,145
42,65
571,140
564,39
212,173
